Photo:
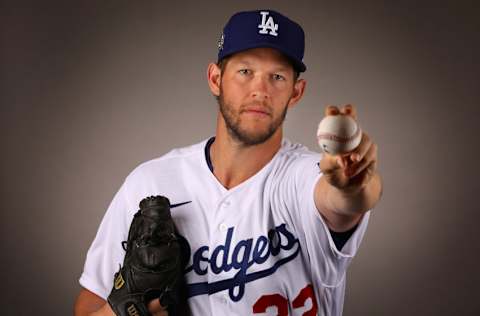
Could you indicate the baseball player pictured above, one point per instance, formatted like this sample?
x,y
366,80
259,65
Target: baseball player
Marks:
x,y
271,226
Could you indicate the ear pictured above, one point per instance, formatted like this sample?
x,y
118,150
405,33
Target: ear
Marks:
x,y
298,90
214,78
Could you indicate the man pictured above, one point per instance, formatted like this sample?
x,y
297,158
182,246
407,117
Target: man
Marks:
x,y
271,225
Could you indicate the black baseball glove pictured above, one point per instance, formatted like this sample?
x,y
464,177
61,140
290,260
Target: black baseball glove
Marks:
x,y
154,261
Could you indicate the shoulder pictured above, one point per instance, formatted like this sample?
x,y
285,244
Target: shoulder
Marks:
x,y
297,154
296,165
169,163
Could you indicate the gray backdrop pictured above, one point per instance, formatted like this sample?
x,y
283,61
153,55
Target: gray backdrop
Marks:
x,y
91,89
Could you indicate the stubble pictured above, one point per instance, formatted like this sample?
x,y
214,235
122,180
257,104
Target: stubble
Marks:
x,y
245,137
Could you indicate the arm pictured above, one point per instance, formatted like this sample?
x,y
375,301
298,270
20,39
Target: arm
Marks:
x,y
343,210
350,185
90,304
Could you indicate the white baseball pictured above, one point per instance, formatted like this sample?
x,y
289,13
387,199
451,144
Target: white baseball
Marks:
x,y
338,134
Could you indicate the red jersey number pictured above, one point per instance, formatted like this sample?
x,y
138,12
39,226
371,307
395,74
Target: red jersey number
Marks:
x,y
281,303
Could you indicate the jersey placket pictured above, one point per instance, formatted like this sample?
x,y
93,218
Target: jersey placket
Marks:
x,y
220,301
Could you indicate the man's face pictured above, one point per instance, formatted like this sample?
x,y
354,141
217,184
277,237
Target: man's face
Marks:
x,y
255,92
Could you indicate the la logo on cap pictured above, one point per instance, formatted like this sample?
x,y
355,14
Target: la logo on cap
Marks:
x,y
267,24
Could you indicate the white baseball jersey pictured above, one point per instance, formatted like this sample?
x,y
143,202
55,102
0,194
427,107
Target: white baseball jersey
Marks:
x,y
260,248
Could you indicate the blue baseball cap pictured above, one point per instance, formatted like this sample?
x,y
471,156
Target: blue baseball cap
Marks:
x,y
263,28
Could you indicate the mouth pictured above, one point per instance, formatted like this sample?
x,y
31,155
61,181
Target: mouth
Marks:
x,y
257,111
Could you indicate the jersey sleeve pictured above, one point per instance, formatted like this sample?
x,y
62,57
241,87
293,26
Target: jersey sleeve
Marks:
x,y
328,264
106,254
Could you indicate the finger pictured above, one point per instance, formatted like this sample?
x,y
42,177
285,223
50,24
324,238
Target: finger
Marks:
x,y
156,309
331,110
341,161
370,157
335,176
362,148
349,109
362,179
329,163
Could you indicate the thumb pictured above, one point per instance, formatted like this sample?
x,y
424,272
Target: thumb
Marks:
x,y
330,163
333,169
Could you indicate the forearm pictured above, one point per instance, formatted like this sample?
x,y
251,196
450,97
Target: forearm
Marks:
x,y
354,203
343,210
89,304
105,310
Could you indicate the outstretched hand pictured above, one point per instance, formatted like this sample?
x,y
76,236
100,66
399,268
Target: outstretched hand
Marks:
x,y
352,171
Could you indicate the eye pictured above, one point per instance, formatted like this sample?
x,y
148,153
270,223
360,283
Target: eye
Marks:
x,y
244,71
278,77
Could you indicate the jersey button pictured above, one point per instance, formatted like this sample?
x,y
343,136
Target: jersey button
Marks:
x,y
226,203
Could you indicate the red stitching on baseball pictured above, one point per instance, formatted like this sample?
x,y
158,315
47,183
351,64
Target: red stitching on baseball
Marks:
x,y
339,139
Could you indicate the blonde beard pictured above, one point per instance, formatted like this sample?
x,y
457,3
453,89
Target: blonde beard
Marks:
x,y
242,136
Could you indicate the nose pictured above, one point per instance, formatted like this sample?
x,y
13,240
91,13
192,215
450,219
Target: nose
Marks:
x,y
260,87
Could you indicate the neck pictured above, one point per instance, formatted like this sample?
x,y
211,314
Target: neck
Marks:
x,y
235,162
